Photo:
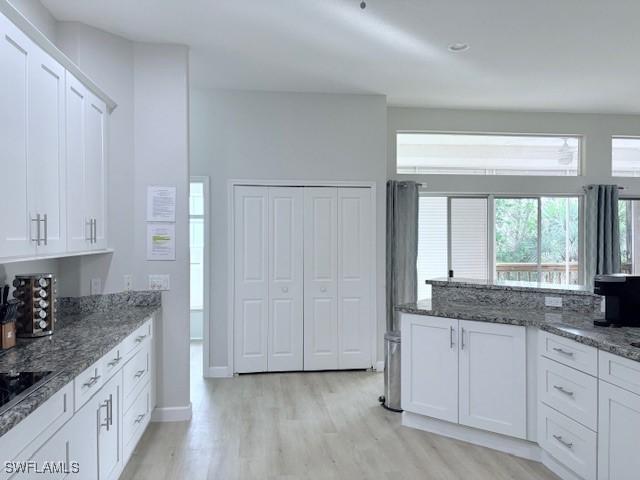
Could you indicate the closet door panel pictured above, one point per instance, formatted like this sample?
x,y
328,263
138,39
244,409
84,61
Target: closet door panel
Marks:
x,y
320,279
285,278
251,279
354,277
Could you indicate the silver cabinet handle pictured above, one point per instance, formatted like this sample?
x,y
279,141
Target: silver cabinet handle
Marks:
x,y
451,337
140,417
95,230
462,338
92,381
563,441
110,412
563,390
106,423
37,221
139,373
140,338
114,362
46,229
563,352
90,225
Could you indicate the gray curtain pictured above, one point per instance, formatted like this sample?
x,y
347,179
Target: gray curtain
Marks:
x,y
602,231
402,247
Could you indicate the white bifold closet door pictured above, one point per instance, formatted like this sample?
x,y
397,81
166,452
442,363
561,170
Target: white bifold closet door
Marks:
x,y
268,325
285,279
337,289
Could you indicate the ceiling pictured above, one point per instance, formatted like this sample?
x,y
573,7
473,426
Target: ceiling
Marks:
x,y
546,55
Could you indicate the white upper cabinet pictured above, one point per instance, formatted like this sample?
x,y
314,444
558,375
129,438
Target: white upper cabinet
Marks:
x,y
15,58
86,168
493,387
53,136
46,156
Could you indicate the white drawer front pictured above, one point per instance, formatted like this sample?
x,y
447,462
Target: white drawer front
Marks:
x,y
135,374
87,384
567,441
574,354
23,440
133,341
569,391
135,421
620,371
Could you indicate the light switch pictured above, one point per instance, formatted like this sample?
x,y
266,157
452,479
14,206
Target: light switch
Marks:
x,y
159,282
96,286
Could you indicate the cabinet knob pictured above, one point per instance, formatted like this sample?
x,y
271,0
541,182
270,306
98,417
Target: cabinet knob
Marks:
x,y
323,289
285,289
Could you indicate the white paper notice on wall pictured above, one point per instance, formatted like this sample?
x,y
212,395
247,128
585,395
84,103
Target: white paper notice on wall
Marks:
x,y
161,241
161,204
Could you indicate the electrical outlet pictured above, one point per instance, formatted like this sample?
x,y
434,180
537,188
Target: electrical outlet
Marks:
x,y
158,282
553,301
128,282
96,286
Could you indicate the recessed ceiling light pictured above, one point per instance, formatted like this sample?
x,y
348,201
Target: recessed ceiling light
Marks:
x,y
458,47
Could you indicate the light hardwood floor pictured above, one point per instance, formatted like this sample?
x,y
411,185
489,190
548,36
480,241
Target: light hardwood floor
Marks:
x,y
307,426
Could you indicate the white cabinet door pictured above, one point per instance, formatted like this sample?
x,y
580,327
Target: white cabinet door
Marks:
x,y
251,287
15,225
95,168
46,150
285,278
493,391
355,327
78,234
320,279
430,366
108,423
618,427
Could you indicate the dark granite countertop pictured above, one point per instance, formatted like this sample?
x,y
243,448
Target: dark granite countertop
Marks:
x,y
512,285
576,326
81,338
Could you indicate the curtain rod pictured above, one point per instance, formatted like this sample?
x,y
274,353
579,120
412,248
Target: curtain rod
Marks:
x,y
589,187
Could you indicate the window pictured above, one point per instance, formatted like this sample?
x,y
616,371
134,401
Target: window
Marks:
x,y
487,154
536,239
629,215
625,157
196,254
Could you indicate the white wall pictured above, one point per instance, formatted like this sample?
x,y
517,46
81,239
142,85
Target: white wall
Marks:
x,y
596,129
38,15
282,136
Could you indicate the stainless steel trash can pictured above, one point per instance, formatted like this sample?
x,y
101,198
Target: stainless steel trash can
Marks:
x,y
391,398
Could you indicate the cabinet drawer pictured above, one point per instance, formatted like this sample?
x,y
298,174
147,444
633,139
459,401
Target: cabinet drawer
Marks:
x,y
574,354
569,391
135,373
620,371
133,341
570,443
87,384
23,440
135,421
112,362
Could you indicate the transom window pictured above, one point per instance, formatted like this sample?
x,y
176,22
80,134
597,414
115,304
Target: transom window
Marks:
x,y
625,157
487,154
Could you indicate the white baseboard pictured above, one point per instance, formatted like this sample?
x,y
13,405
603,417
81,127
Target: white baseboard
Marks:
x,y
218,372
171,414
379,367
495,441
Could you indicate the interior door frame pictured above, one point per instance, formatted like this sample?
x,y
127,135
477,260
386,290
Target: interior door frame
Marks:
x,y
206,304
231,184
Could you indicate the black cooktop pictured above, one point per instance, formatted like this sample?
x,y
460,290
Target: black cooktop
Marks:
x,y
16,386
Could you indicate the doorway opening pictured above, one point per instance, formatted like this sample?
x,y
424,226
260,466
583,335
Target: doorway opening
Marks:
x,y
199,275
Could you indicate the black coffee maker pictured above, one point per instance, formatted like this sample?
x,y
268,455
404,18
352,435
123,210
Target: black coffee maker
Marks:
x,y
622,300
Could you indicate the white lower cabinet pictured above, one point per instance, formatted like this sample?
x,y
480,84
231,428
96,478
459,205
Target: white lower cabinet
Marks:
x,y
430,366
618,430
94,441
465,372
492,376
